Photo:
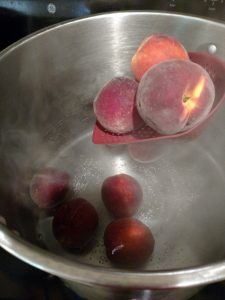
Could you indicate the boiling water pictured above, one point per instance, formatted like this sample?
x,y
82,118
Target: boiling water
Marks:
x,y
180,189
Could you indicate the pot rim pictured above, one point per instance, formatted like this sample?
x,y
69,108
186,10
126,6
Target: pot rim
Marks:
x,y
109,277
89,274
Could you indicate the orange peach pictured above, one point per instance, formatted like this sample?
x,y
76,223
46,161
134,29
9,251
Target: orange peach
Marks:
x,y
156,49
174,96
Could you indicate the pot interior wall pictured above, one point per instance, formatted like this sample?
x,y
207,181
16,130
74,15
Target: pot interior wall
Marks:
x,y
47,86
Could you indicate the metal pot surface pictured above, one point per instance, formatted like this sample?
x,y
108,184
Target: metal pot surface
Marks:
x,y
48,83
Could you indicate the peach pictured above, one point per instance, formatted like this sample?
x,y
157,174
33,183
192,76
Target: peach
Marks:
x,y
146,152
49,186
156,49
115,106
122,195
175,95
74,223
128,242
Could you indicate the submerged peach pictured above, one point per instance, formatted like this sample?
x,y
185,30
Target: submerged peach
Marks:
x,y
128,242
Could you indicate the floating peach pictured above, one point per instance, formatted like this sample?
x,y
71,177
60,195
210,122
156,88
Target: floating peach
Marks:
x,y
128,242
156,49
122,195
74,223
115,106
147,152
175,95
49,186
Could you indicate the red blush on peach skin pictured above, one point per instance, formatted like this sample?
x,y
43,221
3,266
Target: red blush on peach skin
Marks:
x,y
216,69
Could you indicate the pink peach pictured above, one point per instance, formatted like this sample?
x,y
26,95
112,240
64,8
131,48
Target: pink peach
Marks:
x,y
49,186
174,96
115,106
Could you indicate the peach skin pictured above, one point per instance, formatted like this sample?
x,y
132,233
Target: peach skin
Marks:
x,y
115,106
174,96
156,49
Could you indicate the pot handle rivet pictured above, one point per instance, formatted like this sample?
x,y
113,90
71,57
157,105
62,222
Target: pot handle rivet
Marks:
x,y
212,48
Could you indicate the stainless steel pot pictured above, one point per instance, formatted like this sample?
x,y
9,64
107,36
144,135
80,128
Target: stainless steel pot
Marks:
x,y
48,82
